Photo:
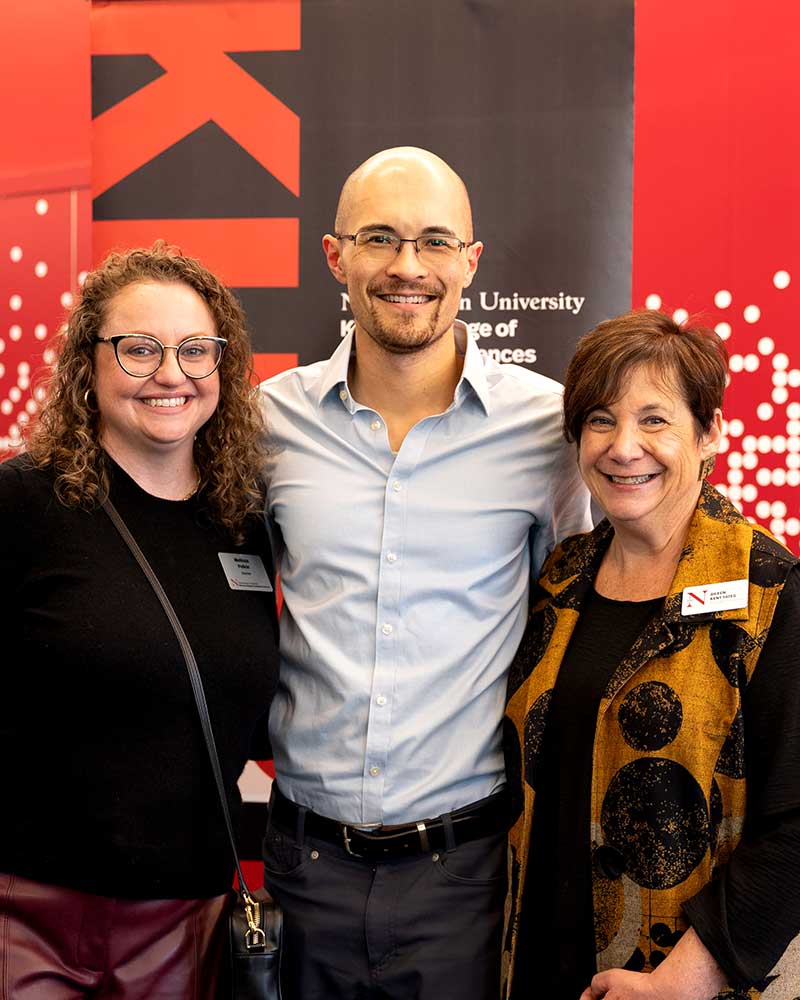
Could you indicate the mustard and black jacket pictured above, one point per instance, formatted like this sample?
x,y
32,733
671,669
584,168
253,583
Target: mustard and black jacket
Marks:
x,y
666,812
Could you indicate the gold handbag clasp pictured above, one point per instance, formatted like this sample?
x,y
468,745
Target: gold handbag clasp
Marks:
x,y
254,936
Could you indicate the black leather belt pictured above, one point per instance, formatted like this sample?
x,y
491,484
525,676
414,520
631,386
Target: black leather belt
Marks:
x,y
384,843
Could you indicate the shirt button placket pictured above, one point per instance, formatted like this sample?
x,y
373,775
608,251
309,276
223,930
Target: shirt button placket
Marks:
x,y
389,645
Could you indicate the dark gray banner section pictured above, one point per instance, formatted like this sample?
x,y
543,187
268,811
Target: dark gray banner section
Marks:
x,y
530,101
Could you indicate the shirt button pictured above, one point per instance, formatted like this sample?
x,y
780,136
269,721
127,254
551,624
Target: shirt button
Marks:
x,y
391,557
343,395
397,486
374,771
381,700
375,425
387,629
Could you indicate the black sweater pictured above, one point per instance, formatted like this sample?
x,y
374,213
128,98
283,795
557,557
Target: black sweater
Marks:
x,y
105,778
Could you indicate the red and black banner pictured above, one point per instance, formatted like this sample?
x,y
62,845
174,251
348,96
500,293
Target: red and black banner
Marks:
x,y
231,131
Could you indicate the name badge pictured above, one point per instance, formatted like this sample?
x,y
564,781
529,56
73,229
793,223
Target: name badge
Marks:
x,y
245,572
714,597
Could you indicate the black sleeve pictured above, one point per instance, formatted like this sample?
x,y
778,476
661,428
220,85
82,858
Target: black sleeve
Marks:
x,y
748,916
17,510
259,746
13,534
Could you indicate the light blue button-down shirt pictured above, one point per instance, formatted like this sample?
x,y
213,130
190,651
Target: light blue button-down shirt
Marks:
x,y
405,582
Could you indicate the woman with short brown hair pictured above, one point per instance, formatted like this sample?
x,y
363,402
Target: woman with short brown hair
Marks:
x,y
654,705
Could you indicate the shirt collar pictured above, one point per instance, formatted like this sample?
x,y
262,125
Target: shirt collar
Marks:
x,y
474,371
335,373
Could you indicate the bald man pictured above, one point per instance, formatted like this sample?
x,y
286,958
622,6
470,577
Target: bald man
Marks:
x,y
414,488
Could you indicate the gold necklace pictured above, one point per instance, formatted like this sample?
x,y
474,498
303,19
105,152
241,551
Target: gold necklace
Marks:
x,y
195,488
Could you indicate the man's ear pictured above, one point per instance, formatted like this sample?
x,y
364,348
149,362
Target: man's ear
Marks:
x,y
333,254
472,253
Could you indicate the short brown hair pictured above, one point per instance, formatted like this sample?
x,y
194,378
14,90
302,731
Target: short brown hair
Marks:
x,y
691,359
228,449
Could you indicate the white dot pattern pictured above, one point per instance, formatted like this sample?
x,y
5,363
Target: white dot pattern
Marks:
x,y
751,362
781,279
758,466
41,257
752,314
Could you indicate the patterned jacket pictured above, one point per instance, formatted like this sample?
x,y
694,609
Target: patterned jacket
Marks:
x,y
668,785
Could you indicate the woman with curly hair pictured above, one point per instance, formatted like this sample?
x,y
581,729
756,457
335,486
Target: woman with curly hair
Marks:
x,y
114,862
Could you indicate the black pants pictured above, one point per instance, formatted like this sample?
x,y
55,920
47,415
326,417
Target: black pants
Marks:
x,y
426,927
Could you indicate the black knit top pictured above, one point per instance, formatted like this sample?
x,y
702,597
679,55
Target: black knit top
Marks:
x,y
104,773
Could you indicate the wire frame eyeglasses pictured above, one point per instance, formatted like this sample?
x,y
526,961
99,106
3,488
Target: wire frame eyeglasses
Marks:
x,y
431,248
141,356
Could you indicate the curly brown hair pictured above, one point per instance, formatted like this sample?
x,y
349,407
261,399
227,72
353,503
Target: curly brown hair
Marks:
x,y
229,449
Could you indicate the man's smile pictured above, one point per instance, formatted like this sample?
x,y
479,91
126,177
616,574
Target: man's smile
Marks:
x,y
407,299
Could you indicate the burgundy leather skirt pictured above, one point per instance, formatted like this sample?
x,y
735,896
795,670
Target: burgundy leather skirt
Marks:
x,y
61,944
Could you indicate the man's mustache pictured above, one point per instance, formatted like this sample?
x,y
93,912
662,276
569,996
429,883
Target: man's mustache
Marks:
x,y
405,288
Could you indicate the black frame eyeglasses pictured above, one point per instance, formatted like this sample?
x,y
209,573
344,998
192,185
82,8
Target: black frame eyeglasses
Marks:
x,y
207,351
429,247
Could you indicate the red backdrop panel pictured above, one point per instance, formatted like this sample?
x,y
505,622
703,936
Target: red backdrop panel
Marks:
x,y
44,197
46,99
716,194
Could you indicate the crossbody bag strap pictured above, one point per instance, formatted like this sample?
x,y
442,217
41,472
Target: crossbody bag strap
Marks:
x,y
194,676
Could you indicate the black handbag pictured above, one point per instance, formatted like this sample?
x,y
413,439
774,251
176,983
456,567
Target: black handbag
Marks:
x,y
255,921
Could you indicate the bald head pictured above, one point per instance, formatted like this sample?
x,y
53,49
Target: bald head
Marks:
x,y
404,167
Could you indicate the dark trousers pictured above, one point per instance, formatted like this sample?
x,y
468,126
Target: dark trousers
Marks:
x,y
426,927
61,944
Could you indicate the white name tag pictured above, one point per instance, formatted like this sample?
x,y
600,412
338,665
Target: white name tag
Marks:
x,y
714,597
245,572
